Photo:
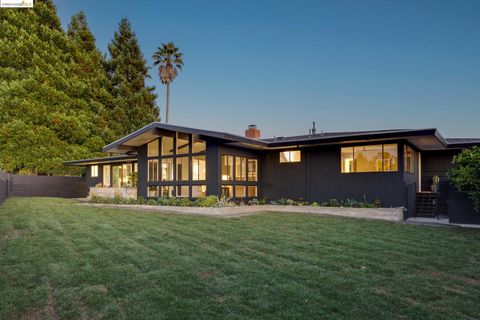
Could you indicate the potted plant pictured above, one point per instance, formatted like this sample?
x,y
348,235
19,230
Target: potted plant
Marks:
x,y
435,182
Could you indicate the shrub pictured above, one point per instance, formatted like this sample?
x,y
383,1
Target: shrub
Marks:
x,y
283,202
184,202
465,174
263,201
314,204
290,202
208,201
162,201
332,203
95,199
151,202
131,201
224,202
254,202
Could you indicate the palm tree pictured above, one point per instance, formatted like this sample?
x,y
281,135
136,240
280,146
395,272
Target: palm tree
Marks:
x,y
169,59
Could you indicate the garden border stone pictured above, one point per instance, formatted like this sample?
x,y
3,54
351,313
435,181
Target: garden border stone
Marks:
x,y
388,214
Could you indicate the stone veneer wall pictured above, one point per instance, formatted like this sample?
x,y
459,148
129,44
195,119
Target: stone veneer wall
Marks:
x,y
126,193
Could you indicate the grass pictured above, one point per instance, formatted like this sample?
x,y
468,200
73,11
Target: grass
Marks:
x,y
61,260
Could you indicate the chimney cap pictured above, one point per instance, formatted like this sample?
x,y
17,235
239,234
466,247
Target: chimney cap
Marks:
x,y
252,132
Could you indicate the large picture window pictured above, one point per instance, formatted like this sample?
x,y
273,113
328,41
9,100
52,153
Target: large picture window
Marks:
x,y
227,168
152,170
199,191
182,143
227,191
182,168
183,191
290,156
178,162
106,176
167,146
167,169
167,191
122,175
152,191
152,149
239,175
369,158
240,168
252,170
198,168
198,146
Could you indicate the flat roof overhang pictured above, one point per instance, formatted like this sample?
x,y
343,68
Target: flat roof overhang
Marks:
x,y
423,139
131,142
113,159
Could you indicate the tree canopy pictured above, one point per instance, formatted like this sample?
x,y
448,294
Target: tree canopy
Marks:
x,y
134,100
465,174
60,99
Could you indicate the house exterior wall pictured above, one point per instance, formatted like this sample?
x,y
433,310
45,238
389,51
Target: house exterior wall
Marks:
x,y
318,177
213,155
457,205
93,181
238,152
436,163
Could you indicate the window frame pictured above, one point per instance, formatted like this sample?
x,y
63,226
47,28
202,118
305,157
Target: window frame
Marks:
x,y
170,157
234,183
289,156
94,171
413,159
354,165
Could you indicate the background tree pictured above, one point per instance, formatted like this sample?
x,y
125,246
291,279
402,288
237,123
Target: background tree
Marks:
x,y
169,60
134,101
49,110
465,174
91,68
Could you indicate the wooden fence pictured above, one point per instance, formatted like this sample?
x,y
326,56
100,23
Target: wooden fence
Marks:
x,y
12,185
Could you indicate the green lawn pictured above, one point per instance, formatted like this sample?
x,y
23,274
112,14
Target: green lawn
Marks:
x,y
61,260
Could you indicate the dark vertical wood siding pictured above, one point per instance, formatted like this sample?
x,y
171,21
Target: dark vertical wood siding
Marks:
x,y
47,186
438,163
318,177
461,209
282,180
212,169
93,181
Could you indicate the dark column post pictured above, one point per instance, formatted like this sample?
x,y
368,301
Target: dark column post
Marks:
x,y
142,171
213,169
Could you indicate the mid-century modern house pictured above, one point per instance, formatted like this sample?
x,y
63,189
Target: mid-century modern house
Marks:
x,y
395,166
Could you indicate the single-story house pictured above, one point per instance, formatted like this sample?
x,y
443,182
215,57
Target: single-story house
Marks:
x,y
393,166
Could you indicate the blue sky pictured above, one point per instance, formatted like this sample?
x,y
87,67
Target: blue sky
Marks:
x,y
348,65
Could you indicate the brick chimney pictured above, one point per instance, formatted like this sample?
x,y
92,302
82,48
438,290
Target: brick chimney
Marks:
x,y
252,132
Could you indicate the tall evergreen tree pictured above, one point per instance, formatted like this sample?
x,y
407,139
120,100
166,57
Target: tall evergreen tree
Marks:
x,y
134,100
49,111
91,67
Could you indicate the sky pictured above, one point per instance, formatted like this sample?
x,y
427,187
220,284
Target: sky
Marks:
x,y
281,64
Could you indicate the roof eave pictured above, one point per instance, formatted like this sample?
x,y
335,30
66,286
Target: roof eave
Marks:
x,y
363,137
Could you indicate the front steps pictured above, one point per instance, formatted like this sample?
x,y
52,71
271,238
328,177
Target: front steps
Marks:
x,y
426,205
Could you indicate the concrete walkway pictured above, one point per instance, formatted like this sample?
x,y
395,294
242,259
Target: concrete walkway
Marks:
x,y
443,222
388,214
